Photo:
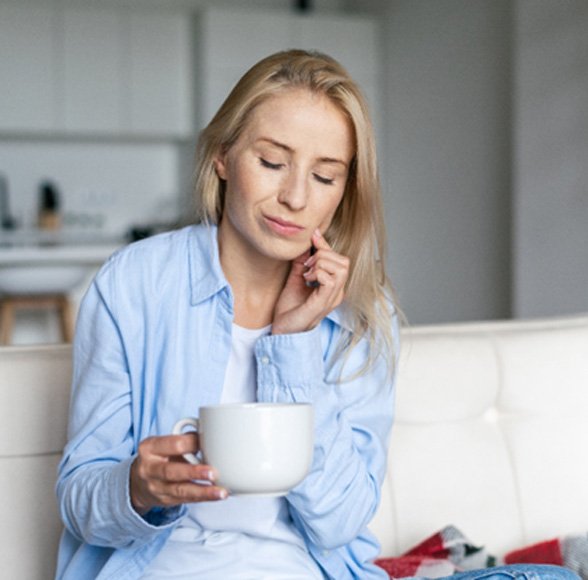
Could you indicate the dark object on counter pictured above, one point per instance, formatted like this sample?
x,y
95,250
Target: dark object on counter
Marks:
x,y
137,233
303,5
7,222
49,206
141,231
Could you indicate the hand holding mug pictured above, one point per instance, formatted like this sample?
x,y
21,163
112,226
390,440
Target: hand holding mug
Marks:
x,y
262,449
161,478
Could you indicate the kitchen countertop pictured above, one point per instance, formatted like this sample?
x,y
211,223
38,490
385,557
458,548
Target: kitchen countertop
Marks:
x,y
25,247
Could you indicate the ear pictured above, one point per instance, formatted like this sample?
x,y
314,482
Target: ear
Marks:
x,y
220,166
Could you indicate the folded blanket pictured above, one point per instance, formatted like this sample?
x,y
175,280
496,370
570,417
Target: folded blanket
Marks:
x,y
449,551
442,554
569,551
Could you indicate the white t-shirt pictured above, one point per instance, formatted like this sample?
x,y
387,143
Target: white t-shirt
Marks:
x,y
238,538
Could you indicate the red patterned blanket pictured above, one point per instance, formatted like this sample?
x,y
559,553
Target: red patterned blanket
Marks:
x,y
449,551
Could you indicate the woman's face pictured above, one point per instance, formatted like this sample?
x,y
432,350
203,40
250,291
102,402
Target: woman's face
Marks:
x,y
285,175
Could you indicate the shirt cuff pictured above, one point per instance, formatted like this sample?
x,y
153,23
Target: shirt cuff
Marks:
x,y
154,521
291,362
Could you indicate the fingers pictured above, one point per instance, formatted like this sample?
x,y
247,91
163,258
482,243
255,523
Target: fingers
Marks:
x,y
328,270
171,445
323,250
330,263
161,477
315,286
318,241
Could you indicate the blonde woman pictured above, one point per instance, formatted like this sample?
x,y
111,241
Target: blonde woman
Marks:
x,y
278,295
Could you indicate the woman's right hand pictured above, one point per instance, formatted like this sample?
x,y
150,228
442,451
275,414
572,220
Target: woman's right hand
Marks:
x,y
160,477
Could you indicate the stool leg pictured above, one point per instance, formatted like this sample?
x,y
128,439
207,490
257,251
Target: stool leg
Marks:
x,y
66,319
6,321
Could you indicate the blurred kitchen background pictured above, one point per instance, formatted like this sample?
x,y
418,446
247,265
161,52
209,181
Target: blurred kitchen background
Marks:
x,y
481,108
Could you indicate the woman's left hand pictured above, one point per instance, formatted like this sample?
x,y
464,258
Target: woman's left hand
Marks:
x,y
301,307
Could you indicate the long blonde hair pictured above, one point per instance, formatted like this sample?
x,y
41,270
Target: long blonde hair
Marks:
x,y
357,229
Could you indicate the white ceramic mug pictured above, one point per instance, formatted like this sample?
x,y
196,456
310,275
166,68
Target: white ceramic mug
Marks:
x,y
257,448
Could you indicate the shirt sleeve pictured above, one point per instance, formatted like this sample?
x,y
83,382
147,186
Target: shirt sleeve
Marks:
x,y
93,476
353,419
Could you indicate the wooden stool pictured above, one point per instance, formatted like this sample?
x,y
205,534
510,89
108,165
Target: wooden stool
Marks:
x,y
11,303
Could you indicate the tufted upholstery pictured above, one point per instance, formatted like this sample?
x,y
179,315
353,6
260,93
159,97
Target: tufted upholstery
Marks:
x,y
491,434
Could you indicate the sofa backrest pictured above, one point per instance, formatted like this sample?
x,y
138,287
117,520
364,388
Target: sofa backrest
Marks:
x,y
491,434
34,399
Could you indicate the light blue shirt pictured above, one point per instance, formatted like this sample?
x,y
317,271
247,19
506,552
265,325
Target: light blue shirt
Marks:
x,y
152,344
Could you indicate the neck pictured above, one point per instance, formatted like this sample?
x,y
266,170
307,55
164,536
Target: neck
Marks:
x,y
256,281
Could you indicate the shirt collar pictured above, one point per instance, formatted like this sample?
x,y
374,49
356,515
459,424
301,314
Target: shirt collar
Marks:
x,y
207,277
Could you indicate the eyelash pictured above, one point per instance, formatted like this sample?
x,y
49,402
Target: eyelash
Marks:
x,y
323,180
275,166
268,165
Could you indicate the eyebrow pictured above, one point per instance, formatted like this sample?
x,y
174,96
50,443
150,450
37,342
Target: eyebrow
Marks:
x,y
290,150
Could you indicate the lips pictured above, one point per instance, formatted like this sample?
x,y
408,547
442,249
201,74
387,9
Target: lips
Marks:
x,y
283,227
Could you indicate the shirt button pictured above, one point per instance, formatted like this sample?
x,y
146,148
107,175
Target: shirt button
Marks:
x,y
265,360
326,553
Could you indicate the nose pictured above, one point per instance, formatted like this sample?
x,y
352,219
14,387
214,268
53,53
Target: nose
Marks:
x,y
293,192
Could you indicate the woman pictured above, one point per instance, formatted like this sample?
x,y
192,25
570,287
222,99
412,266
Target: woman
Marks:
x,y
278,295
239,308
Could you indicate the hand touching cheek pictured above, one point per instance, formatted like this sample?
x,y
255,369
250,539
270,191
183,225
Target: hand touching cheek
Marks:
x,y
302,306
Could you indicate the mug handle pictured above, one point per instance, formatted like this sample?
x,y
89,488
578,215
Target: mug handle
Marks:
x,y
179,430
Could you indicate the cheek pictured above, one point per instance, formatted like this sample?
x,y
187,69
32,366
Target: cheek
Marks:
x,y
327,210
246,183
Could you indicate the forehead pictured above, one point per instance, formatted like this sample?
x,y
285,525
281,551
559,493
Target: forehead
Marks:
x,y
298,117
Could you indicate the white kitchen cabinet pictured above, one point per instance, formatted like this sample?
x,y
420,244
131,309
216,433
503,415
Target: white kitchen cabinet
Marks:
x,y
127,72
237,37
28,62
232,40
353,41
89,70
93,70
229,41
160,83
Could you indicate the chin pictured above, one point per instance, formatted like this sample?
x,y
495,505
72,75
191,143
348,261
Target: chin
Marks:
x,y
284,250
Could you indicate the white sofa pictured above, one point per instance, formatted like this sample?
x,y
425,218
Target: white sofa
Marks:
x,y
491,435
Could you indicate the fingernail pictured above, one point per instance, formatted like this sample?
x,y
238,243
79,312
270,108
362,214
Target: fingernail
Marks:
x,y
222,494
317,233
211,476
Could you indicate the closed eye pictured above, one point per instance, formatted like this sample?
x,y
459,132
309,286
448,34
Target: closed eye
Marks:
x,y
322,179
266,163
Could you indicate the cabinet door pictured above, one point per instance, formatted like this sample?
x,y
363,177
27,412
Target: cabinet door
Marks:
x,y
350,40
160,75
233,40
353,41
27,68
93,69
230,42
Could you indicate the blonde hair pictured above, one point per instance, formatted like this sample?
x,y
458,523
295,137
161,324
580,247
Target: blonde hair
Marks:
x,y
357,229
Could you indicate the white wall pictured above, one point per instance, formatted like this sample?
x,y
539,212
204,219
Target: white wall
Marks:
x,y
485,160
447,156
551,158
